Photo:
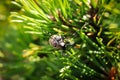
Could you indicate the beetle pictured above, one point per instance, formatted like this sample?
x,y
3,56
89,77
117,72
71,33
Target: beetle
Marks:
x,y
57,41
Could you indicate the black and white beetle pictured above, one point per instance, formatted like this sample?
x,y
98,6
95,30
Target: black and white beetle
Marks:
x,y
57,41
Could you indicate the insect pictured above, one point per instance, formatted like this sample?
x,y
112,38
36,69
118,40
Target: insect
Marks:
x,y
57,41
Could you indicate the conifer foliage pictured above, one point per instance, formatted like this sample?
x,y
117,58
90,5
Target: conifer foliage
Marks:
x,y
81,37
